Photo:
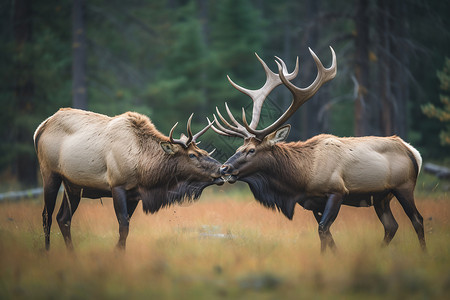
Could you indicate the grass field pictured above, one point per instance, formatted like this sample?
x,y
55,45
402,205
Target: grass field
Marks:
x,y
226,245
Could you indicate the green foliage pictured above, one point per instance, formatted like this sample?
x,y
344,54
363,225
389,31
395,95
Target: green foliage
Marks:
x,y
40,67
179,87
236,35
167,59
442,114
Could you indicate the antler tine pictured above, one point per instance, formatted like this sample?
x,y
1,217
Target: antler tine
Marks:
x,y
259,96
238,129
181,142
220,131
224,120
171,133
190,137
226,132
239,126
323,75
301,95
201,132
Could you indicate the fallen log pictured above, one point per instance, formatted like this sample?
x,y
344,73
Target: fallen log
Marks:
x,y
439,171
19,195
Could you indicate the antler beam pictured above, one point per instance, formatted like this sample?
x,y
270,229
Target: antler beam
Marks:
x,y
300,96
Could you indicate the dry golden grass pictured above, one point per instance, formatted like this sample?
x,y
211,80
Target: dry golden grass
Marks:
x,y
223,246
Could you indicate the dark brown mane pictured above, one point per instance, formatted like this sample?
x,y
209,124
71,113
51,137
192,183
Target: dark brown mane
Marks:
x,y
274,186
169,193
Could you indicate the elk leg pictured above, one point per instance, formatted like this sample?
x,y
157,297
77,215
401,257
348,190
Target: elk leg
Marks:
x,y
68,207
329,237
131,206
119,195
51,188
384,213
329,215
406,198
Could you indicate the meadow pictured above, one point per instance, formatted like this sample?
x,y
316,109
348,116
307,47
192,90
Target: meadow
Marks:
x,y
226,245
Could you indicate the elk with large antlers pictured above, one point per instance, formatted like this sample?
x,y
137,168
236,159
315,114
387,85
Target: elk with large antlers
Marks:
x,y
125,157
324,172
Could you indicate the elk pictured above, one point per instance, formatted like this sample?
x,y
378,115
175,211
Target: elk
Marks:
x,y
324,172
124,157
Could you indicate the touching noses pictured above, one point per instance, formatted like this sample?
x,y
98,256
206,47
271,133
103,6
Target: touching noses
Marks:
x,y
225,170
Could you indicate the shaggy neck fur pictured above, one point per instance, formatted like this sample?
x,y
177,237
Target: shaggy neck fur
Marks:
x,y
156,197
155,190
282,177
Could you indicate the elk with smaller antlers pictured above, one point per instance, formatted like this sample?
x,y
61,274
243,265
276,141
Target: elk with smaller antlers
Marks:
x,y
324,172
124,157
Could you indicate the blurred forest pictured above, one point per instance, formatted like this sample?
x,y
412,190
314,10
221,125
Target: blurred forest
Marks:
x,y
169,58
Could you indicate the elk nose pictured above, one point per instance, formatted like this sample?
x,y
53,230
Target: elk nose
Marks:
x,y
224,170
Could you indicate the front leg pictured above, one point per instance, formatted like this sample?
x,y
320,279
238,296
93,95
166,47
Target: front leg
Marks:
x,y
329,215
328,240
119,195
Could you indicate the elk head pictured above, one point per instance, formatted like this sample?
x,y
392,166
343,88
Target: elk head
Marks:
x,y
194,163
252,156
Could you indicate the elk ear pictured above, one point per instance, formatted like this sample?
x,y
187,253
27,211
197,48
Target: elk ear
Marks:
x,y
169,148
278,136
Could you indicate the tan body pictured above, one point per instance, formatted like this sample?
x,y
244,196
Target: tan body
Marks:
x,y
98,151
331,164
125,157
325,171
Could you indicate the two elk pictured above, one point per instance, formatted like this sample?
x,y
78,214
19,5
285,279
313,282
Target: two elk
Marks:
x,y
324,172
125,157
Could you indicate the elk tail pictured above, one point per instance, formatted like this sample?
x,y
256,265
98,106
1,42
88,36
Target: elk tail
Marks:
x,y
38,132
415,157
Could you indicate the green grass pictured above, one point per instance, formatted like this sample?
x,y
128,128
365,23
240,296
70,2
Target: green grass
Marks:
x,y
262,254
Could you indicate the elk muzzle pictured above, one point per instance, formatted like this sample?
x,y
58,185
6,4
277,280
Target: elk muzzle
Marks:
x,y
218,179
229,173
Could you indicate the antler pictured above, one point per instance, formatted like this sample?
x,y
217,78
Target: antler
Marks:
x,y
186,140
273,80
258,96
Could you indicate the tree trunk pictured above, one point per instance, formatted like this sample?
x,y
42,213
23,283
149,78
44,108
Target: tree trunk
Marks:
x,y
26,166
398,54
314,117
383,91
79,88
286,96
313,124
362,68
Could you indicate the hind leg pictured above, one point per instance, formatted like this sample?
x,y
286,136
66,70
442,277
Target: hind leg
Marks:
x,y
69,205
384,213
405,196
52,182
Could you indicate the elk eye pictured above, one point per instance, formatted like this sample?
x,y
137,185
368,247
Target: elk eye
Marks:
x,y
251,150
191,155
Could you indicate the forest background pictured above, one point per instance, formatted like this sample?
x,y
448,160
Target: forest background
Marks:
x,y
170,58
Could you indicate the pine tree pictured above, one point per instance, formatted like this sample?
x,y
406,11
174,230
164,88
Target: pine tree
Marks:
x,y
442,114
180,85
236,35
